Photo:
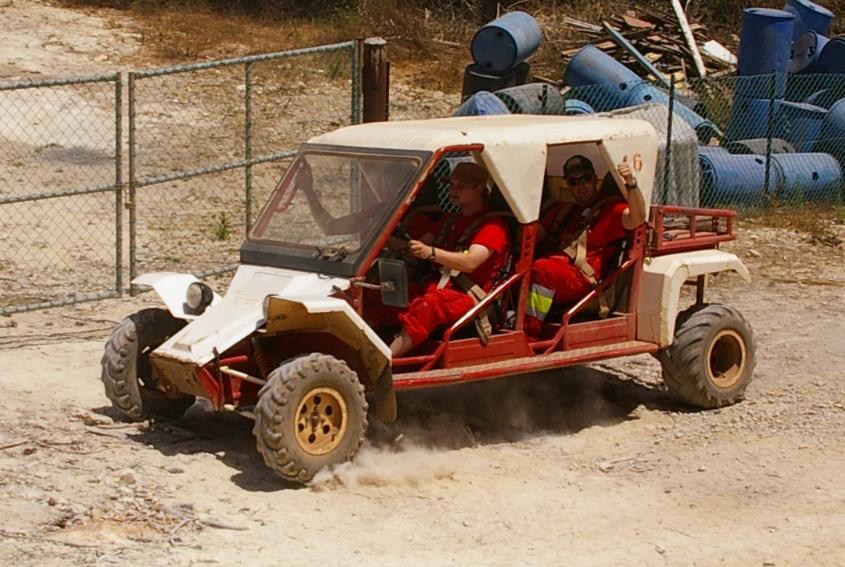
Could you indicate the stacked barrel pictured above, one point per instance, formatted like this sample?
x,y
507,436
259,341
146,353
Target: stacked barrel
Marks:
x,y
771,100
606,84
499,50
786,132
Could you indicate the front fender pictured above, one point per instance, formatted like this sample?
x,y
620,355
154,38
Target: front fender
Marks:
x,y
171,287
660,291
333,316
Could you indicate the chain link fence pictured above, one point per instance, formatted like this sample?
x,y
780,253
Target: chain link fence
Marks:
x,y
205,144
60,198
208,142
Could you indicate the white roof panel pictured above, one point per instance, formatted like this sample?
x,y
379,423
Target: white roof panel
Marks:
x,y
514,146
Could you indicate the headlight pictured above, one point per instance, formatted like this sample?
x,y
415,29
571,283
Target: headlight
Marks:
x,y
198,297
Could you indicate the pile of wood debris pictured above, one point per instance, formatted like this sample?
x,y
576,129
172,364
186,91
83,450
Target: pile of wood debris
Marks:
x,y
656,40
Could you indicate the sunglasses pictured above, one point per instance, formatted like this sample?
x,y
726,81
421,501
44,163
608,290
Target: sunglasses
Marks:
x,y
578,179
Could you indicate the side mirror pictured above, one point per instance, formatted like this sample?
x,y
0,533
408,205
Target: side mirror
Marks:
x,y
393,275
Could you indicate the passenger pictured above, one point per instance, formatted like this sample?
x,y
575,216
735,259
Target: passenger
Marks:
x,y
470,247
576,241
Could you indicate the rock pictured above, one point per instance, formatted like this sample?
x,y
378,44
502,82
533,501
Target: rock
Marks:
x,y
127,477
604,467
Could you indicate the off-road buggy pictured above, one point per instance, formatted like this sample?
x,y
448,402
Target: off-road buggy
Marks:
x,y
288,345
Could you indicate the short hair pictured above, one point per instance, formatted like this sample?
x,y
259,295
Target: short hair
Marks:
x,y
469,172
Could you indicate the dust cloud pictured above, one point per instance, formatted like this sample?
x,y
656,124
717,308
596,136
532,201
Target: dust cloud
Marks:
x,y
373,466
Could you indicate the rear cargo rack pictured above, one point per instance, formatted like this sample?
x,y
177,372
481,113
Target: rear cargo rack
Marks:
x,y
675,229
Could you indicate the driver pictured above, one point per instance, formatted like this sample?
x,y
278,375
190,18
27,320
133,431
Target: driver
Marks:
x,y
346,224
469,247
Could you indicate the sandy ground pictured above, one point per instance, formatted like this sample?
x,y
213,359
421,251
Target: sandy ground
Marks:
x,y
590,466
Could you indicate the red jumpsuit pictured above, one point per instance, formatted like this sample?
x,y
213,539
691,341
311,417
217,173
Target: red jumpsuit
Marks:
x,y
434,307
554,278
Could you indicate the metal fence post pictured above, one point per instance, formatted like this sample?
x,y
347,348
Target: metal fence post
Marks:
x,y
130,204
770,128
376,80
248,145
667,162
355,117
118,184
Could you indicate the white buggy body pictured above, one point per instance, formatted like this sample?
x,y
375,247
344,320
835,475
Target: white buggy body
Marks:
x,y
287,342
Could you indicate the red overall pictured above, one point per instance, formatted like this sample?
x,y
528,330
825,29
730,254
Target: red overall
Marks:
x,y
554,278
433,307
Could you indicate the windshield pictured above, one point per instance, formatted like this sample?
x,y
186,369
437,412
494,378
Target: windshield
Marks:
x,y
331,202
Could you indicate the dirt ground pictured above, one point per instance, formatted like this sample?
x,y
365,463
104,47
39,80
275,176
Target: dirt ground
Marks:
x,y
589,466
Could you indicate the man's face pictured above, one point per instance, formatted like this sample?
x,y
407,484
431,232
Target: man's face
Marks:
x,y
583,185
464,193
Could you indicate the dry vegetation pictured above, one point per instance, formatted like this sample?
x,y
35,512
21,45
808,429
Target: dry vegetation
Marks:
x,y
429,38
813,224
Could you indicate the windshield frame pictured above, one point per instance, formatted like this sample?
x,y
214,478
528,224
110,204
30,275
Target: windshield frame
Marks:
x,y
285,255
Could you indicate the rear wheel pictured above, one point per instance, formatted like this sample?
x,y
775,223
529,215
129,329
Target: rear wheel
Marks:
x,y
311,413
127,374
712,358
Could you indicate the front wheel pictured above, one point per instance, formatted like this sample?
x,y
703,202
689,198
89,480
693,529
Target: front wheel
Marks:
x,y
711,361
311,413
127,374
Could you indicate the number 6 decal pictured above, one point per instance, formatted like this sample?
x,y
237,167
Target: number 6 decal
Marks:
x,y
637,162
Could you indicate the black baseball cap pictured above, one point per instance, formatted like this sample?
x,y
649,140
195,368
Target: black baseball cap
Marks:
x,y
578,163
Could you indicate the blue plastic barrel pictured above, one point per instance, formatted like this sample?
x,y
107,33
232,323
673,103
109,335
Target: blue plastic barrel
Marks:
x,y
750,118
760,146
825,97
604,97
573,107
708,150
592,66
482,103
832,138
533,98
645,93
764,47
808,176
800,124
809,16
506,41
801,86
730,178
832,57
806,50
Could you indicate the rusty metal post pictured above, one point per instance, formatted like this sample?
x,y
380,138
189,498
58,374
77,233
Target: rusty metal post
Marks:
x,y
376,80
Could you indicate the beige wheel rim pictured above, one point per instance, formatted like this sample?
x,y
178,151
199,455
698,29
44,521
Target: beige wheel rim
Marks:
x,y
321,420
726,359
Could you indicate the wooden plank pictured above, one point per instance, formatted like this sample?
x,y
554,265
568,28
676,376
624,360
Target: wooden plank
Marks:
x,y
582,25
637,23
696,56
